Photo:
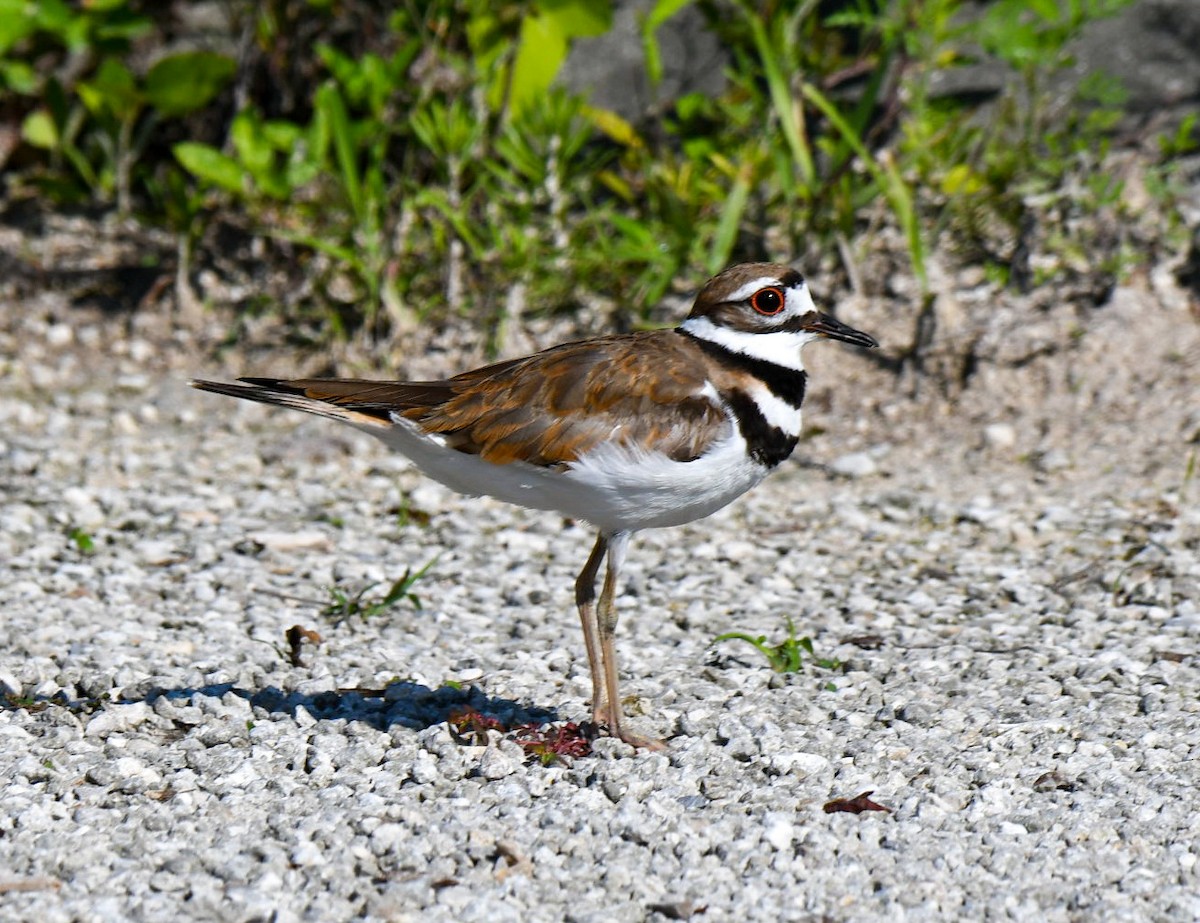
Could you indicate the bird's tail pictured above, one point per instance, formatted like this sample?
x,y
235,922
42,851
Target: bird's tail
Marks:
x,y
338,399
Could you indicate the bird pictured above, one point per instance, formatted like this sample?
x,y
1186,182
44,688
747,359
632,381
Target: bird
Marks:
x,y
626,431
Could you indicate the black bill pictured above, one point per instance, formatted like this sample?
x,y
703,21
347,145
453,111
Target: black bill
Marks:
x,y
834,329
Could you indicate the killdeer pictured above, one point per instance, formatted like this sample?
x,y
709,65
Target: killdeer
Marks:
x,y
627,432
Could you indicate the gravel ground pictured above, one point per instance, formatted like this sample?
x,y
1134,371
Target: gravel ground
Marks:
x,y
1016,621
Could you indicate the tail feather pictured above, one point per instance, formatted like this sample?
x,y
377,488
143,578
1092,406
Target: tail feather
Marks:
x,y
295,395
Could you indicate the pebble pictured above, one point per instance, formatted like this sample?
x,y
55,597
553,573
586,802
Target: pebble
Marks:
x,y
289,542
779,831
1000,436
1051,460
854,465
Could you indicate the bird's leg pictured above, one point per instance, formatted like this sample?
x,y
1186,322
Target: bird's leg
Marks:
x,y
606,618
585,599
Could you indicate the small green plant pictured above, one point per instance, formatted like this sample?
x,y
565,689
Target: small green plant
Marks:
x,y
35,703
344,605
81,539
788,655
1182,141
16,700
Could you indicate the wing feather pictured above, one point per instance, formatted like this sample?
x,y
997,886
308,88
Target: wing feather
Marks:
x,y
645,391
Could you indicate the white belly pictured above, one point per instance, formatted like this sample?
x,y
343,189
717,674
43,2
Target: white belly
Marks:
x,y
612,487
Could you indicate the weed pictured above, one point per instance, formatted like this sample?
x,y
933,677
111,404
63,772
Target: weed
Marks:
x,y
549,745
345,605
786,656
468,725
26,702
82,540
408,515
37,703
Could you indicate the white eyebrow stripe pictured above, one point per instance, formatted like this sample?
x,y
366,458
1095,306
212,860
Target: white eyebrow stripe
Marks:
x,y
799,300
751,287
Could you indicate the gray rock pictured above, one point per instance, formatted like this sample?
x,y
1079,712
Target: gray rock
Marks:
x,y
854,465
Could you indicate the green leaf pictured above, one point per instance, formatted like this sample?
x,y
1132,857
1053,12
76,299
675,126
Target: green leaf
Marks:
x,y
579,18
664,10
182,83
113,88
210,165
785,657
39,130
731,217
53,16
116,30
540,54
15,23
281,134
543,42
784,106
251,144
82,540
19,77
614,126
341,133
340,65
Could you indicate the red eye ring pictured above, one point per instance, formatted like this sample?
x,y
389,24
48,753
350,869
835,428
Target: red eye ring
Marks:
x,y
768,301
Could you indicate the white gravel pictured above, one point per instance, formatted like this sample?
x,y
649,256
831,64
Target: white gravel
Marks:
x,y
1019,687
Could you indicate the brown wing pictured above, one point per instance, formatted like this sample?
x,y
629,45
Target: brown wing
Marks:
x,y
640,390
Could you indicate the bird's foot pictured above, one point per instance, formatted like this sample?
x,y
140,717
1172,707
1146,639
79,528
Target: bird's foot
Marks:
x,y
608,723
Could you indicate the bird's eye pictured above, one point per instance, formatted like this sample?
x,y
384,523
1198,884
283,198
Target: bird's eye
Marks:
x,y
767,301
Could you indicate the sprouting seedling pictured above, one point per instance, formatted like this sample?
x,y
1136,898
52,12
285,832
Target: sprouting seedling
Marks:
x,y
786,656
84,542
344,605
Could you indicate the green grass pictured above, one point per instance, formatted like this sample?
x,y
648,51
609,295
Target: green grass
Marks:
x,y
425,165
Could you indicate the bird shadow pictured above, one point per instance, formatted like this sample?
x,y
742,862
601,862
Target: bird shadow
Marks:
x,y
400,704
